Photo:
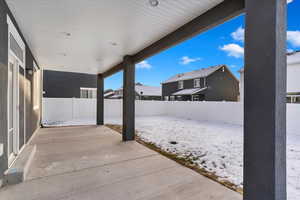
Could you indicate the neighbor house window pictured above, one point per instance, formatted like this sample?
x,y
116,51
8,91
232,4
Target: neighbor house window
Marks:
x,y
166,98
36,87
172,98
88,93
197,83
180,85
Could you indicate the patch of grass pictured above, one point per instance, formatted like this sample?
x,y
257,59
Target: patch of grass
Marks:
x,y
185,161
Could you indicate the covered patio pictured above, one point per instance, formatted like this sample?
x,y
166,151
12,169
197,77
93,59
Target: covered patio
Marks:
x,y
91,162
73,36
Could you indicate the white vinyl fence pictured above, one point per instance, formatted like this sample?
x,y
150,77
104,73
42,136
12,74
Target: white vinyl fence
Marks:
x,y
60,109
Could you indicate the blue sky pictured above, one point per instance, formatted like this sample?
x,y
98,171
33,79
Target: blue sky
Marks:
x,y
221,45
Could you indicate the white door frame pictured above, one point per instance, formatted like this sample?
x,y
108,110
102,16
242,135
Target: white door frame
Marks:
x,y
13,58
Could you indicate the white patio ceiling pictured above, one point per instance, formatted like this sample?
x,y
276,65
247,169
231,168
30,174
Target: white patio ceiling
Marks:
x,y
91,36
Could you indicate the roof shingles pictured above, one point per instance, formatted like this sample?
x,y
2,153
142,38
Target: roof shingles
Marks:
x,y
201,73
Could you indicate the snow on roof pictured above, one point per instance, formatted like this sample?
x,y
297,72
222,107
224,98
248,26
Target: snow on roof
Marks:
x,y
189,91
108,94
194,74
293,58
148,90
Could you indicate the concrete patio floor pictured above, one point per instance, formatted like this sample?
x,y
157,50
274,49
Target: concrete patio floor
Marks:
x,y
91,163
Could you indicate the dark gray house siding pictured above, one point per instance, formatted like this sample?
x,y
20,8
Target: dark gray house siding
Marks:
x,y
3,85
169,88
59,84
26,89
221,86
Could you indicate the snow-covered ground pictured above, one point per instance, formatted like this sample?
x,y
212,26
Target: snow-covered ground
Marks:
x,y
217,147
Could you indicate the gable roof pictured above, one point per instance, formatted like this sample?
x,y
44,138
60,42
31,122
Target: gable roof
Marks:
x,y
148,90
201,73
293,57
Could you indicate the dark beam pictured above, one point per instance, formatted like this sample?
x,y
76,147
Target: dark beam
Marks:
x,y
113,70
265,100
100,99
213,17
128,99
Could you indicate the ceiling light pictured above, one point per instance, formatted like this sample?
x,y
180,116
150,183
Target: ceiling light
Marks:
x,y
66,34
62,54
113,43
153,3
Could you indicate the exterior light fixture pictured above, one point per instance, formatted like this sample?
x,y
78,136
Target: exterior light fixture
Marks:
x,y
153,3
29,71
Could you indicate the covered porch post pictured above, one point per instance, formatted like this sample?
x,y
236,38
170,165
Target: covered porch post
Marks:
x,y
100,99
128,99
265,100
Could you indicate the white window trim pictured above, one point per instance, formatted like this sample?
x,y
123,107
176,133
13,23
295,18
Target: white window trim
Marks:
x,y
83,88
14,32
12,29
180,86
88,89
195,81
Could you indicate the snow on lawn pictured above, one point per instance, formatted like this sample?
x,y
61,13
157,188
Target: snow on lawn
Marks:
x,y
217,147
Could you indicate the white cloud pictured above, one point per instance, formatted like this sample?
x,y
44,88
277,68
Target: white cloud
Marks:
x,y
187,60
233,50
293,37
290,1
239,34
144,65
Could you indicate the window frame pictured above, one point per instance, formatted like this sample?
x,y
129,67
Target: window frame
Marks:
x,y
197,80
91,93
180,85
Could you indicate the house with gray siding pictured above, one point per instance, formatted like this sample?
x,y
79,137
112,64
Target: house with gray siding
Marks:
x,y
293,82
215,83
142,92
61,84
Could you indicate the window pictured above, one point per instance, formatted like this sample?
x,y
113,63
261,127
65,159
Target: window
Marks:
x,y
36,87
172,98
166,98
180,84
197,83
88,93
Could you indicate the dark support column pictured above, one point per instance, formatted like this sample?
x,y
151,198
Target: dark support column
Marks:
x,y
265,100
100,99
128,99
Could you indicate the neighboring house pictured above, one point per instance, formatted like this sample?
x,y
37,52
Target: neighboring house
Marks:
x,y
293,81
293,77
108,93
58,84
215,83
143,92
